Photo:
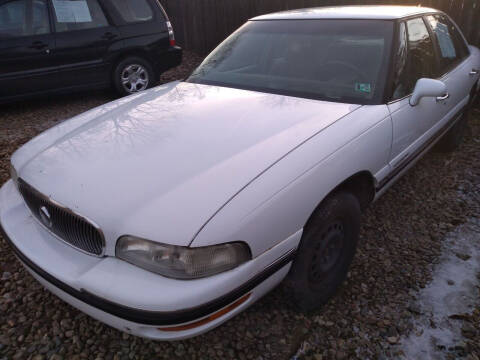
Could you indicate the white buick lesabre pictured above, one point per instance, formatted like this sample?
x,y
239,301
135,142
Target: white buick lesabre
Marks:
x,y
166,213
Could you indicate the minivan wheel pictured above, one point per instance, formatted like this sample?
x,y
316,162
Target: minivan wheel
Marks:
x,y
132,75
326,251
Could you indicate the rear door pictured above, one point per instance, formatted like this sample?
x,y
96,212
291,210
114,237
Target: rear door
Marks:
x,y
26,46
85,37
456,65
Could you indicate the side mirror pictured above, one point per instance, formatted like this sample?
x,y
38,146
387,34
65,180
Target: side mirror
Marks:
x,y
428,88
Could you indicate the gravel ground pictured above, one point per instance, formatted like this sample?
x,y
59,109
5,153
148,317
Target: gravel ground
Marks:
x,y
401,240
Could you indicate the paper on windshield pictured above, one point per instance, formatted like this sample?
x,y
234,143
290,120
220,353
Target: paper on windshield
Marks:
x,y
68,11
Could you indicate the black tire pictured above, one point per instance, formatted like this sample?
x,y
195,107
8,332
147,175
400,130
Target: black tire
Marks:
x,y
326,251
134,63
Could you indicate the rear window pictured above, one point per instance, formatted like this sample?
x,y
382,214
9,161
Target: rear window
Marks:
x,y
132,11
333,60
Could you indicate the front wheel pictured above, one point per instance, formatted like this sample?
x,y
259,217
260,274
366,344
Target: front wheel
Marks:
x,y
132,75
326,251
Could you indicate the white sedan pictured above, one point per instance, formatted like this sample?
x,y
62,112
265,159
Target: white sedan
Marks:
x,y
166,213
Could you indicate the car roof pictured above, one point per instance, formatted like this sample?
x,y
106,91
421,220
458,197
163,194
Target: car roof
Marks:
x,y
385,12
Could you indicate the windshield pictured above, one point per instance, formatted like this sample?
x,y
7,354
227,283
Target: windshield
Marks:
x,y
334,60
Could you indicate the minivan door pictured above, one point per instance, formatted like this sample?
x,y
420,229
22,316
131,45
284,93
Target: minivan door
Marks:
x,y
84,40
26,46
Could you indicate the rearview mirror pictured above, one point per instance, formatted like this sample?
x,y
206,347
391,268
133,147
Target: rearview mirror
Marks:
x,y
427,88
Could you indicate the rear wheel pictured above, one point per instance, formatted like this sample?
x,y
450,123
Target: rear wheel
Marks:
x,y
132,75
326,251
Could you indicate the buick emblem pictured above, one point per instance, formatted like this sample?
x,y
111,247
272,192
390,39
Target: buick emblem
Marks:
x,y
45,217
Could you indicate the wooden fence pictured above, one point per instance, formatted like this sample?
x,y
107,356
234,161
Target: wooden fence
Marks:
x,y
200,25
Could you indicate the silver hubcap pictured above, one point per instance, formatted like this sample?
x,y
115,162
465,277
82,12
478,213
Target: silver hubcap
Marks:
x,y
134,78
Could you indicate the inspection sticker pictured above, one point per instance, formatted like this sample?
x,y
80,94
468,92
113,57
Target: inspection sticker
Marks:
x,y
363,87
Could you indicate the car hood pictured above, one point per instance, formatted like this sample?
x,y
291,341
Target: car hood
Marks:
x,y
160,164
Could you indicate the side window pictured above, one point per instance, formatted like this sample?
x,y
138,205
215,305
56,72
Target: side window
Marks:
x,y
132,11
13,19
40,21
420,61
17,20
451,50
458,40
400,76
73,15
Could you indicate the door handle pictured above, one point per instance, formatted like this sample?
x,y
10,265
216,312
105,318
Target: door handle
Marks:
x,y
109,36
38,45
442,98
474,72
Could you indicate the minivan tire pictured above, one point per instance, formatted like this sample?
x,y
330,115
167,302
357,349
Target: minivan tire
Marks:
x,y
326,251
137,71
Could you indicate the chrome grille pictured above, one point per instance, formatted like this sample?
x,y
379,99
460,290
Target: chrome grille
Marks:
x,y
69,227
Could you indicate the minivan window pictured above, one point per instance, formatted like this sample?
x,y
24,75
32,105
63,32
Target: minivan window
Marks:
x,y
16,20
40,21
13,21
73,15
333,60
133,11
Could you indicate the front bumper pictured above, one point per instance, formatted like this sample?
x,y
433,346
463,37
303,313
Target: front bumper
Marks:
x,y
129,298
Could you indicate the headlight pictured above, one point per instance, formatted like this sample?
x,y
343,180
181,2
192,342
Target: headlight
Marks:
x,y
181,262
13,174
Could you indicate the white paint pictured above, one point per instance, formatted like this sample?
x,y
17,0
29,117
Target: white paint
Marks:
x,y
385,12
439,300
427,88
160,166
196,165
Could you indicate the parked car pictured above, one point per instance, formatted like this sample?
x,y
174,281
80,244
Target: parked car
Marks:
x,y
52,46
165,213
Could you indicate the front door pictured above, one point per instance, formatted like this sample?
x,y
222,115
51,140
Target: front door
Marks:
x,y
26,46
413,125
84,37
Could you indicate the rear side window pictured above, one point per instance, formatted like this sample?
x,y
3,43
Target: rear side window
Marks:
x,y
132,11
457,37
73,15
414,61
24,18
40,20
449,40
